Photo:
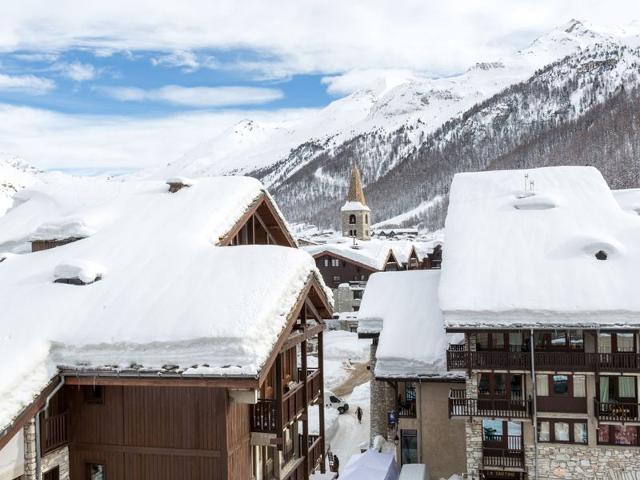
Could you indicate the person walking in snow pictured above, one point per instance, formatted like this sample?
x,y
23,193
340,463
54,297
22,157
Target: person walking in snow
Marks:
x,y
359,414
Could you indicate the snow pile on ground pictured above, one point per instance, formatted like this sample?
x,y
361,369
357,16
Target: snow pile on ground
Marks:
x,y
341,349
172,302
403,308
574,264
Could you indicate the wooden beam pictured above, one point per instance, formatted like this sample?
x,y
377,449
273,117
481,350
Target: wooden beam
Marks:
x,y
223,382
180,452
28,413
303,336
270,236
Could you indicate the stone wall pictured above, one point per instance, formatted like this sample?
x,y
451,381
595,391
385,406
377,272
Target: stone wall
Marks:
x,y
361,226
57,458
382,400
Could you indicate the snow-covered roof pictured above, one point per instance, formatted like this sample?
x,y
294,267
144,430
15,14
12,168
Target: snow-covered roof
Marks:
x,y
354,207
168,295
371,253
403,307
628,199
518,260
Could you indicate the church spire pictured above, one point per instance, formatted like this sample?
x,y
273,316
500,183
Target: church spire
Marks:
x,y
356,194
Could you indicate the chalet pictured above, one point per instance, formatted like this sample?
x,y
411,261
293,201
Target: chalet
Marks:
x,y
179,347
542,282
410,382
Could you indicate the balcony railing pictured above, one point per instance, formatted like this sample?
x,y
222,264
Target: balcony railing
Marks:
x,y
617,411
313,383
458,359
462,406
561,404
292,403
264,416
55,431
496,455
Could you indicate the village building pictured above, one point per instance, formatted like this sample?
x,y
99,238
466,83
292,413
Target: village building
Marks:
x,y
541,278
158,333
355,215
410,383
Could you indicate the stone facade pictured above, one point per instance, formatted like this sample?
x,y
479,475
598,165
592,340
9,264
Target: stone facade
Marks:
x,y
382,401
347,297
57,458
361,227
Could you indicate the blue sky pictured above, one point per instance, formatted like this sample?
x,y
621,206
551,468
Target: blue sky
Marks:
x,y
86,82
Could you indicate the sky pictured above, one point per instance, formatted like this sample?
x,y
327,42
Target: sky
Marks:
x,y
118,85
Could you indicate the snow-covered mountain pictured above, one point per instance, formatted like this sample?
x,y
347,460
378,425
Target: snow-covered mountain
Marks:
x,y
398,130
14,176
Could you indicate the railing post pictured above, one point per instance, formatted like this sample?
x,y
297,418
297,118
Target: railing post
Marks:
x,y
279,400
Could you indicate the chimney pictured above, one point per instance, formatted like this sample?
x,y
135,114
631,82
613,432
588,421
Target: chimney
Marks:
x,y
178,183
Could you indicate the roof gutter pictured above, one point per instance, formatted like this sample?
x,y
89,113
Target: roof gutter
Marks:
x,y
37,426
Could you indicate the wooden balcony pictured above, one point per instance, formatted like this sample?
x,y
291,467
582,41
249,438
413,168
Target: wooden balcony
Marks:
x,y
315,451
462,406
497,454
54,432
264,416
459,359
292,403
617,411
313,383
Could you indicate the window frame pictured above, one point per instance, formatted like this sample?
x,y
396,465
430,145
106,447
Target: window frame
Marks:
x,y
610,427
88,466
572,429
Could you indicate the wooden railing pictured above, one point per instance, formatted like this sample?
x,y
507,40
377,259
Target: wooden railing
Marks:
x,y
54,432
495,454
313,383
315,450
408,410
292,403
617,411
264,416
458,359
462,406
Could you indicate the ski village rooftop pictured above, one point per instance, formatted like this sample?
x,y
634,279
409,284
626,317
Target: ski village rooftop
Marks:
x,y
109,282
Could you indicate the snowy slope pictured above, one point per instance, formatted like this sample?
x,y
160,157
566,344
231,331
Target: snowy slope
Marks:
x,y
414,100
14,176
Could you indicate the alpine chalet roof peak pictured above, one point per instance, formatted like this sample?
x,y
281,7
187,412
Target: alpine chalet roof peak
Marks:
x,y
356,193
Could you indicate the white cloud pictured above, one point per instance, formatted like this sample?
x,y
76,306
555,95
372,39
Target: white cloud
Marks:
x,y
47,139
377,80
186,60
26,83
36,57
327,36
80,72
196,96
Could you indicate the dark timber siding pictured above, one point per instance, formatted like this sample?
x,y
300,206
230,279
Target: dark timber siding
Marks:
x,y
347,271
159,433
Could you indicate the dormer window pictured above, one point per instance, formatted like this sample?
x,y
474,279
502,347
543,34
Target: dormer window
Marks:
x,y
352,219
78,272
178,183
601,255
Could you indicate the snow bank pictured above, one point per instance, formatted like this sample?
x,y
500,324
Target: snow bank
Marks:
x,y
172,302
62,229
403,307
505,266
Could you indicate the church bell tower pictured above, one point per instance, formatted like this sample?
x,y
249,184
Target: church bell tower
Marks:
x,y
356,216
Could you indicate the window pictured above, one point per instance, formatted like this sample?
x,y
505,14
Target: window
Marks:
x,y
95,471
604,343
335,262
562,431
352,219
618,435
408,446
53,474
542,385
357,294
579,386
326,262
336,278
94,394
560,385
624,342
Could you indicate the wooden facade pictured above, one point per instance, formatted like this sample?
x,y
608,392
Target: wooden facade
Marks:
x,y
124,425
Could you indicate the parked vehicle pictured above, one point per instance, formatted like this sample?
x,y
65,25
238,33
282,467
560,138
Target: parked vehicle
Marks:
x,y
333,401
